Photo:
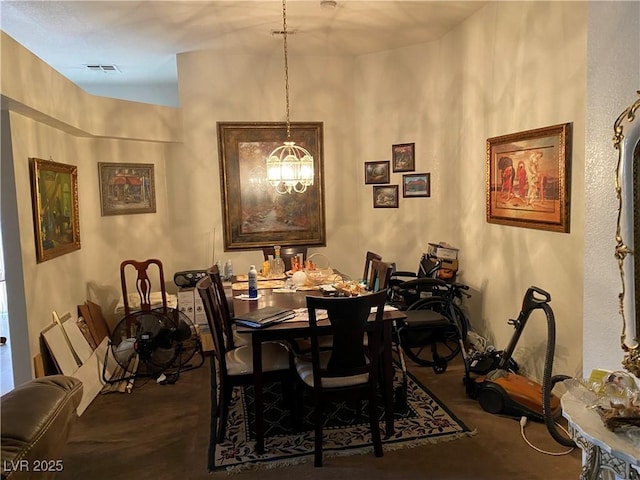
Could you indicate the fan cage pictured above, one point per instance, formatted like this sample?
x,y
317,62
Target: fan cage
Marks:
x,y
151,342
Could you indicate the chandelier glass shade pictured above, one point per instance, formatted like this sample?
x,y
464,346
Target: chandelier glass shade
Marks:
x,y
290,167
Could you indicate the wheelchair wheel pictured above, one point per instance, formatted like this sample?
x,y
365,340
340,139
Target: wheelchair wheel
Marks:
x,y
434,346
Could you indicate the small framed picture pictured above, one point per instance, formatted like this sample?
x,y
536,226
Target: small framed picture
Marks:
x,y
377,172
126,188
385,197
404,157
416,185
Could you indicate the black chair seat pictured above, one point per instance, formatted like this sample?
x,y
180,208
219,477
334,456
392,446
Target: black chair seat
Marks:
x,y
425,318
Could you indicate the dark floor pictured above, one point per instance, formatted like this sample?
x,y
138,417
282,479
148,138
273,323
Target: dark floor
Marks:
x,y
161,432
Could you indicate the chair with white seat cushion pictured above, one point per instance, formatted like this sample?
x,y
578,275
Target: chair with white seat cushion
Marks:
x,y
349,370
235,365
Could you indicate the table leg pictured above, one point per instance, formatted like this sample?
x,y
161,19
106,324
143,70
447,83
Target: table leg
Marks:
x,y
256,345
388,371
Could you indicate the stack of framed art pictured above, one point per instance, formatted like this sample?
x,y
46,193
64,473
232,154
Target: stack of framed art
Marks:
x,y
403,159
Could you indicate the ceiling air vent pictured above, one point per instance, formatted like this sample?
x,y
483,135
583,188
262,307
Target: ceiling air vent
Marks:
x,y
103,68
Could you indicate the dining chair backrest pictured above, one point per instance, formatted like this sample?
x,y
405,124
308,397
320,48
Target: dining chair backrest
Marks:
x,y
143,282
286,253
223,305
349,318
367,264
206,290
379,276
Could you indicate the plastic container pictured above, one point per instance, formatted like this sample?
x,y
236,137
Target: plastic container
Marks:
x,y
253,282
317,270
228,270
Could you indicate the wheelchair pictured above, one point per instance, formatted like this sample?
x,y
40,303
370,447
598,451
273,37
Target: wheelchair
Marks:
x,y
435,328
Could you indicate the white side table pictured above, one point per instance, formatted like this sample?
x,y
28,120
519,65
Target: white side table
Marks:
x,y
606,452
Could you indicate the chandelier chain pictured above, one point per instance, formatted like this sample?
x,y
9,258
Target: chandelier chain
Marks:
x,y
286,65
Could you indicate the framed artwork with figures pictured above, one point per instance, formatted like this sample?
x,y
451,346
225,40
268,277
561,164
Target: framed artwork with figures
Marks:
x,y
528,178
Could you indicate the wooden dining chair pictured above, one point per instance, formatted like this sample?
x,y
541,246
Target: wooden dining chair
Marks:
x,y
147,289
232,338
235,366
348,371
286,253
367,264
379,276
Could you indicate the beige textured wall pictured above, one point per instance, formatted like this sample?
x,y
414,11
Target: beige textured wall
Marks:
x,y
498,73
614,36
250,88
91,273
59,121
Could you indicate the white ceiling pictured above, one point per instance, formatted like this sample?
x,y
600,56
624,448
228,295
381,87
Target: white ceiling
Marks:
x,y
142,38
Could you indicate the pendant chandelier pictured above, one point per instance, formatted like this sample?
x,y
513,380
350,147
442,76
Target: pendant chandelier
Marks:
x,y
289,167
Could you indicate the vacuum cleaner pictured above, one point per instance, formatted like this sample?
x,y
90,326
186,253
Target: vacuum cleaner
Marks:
x,y
501,390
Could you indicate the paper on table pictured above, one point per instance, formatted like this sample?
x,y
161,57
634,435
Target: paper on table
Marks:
x,y
387,308
302,315
245,296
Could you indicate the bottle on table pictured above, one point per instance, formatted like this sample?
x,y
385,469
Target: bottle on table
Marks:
x,y
253,282
228,271
278,264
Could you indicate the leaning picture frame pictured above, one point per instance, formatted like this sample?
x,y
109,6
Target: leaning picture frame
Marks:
x,y
528,178
254,213
385,196
416,185
403,156
377,172
126,188
54,195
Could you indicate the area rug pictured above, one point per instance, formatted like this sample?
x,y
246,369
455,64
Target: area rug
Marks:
x,y
424,419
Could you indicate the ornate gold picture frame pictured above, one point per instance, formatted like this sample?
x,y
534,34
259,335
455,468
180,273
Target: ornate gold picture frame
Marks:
x,y
528,178
54,195
627,141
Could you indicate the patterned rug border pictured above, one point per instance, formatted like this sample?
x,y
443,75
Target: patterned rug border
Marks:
x,y
396,442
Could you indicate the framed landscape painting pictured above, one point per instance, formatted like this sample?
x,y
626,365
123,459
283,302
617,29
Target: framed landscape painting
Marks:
x,y
528,178
416,185
376,172
404,157
385,196
126,188
254,213
54,195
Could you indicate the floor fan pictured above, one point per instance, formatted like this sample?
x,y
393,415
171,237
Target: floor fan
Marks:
x,y
158,343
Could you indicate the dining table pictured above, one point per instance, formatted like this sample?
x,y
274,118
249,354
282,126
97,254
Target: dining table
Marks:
x,y
292,329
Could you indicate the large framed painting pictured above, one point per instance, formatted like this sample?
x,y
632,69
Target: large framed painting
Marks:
x,y
54,194
126,188
254,213
528,178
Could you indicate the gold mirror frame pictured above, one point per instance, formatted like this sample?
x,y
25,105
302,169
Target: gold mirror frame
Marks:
x,y
627,141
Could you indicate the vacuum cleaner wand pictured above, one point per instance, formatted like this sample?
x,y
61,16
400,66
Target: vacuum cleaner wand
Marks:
x,y
529,303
